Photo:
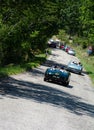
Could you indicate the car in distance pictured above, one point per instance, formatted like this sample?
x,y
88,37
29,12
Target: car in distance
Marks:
x,y
62,47
75,67
66,48
58,75
52,45
71,52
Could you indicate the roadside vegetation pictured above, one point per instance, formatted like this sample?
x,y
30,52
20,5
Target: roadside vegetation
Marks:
x,y
87,61
11,69
37,60
81,47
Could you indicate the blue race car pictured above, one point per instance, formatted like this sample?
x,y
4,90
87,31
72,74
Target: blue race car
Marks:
x,y
56,74
75,67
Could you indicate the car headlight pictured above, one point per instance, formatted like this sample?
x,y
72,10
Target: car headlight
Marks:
x,y
49,73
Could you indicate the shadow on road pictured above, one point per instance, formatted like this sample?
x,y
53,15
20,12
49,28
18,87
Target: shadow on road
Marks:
x,y
88,72
50,63
12,88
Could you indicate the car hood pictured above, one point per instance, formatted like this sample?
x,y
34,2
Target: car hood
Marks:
x,y
70,51
75,66
59,72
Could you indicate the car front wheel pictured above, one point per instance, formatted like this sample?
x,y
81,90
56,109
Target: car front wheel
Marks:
x,y
66,83
45,79
80,72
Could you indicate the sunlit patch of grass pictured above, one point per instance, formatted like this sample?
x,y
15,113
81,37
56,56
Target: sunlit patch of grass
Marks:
x,y
15,69
8,70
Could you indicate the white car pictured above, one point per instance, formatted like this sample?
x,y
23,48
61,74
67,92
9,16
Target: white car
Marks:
x,y
71,52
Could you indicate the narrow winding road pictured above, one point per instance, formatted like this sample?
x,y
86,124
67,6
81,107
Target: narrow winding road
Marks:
x,y
29,103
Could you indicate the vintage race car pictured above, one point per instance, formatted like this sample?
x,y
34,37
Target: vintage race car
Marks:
x,y
58,75
75,67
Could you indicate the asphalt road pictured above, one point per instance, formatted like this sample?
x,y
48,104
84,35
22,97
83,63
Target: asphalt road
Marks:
x,y
29,103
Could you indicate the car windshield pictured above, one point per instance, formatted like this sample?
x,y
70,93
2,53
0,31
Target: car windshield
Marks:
x,y
75,63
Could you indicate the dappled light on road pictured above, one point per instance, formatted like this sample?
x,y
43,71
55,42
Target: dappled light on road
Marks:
x,y
13,88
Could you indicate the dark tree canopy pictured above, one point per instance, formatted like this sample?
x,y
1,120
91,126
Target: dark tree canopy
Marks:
x,y
26,25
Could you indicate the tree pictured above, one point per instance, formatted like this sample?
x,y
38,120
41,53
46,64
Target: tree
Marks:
x,y
87,18
26,26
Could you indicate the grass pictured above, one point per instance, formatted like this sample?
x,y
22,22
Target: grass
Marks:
x,y
87,61
15,69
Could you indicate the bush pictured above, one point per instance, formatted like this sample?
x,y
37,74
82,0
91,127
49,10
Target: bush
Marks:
x,y
84,45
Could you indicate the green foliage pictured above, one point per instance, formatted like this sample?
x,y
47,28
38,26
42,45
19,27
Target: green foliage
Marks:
x,y
81,41
25,26
63,36
86,18
10,69
68,15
